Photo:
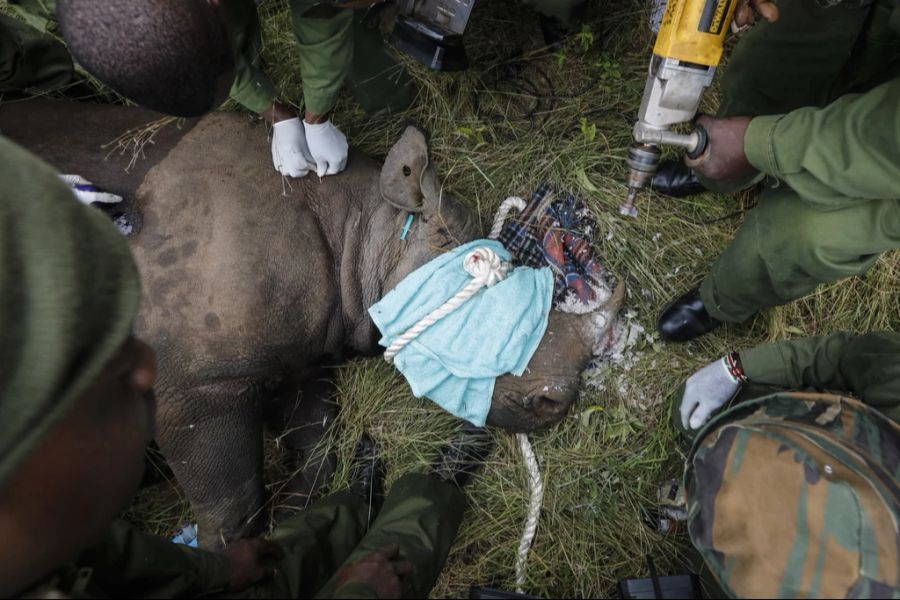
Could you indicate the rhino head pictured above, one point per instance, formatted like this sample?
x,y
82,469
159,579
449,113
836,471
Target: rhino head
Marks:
x,y
543,395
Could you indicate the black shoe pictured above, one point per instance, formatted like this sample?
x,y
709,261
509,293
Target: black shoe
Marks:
x,y
367,481
463,457
686,318
677,180
555,33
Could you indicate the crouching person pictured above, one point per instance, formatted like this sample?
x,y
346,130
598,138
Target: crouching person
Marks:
x,y
792,491
76,413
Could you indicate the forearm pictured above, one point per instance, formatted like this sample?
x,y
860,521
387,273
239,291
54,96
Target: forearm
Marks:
x,y
326,49
129,559
867,366
797,364
844,152
252,88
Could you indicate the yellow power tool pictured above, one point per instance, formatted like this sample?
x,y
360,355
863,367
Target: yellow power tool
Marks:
x,y
688,49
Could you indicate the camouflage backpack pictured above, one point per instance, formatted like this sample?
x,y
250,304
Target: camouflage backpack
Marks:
x,y
798,495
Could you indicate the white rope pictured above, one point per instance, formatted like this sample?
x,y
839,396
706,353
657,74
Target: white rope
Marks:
x,y
505,207
534,508
531,463
486,269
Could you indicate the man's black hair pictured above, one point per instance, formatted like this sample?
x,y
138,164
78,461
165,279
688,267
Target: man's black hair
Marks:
x,y
173,56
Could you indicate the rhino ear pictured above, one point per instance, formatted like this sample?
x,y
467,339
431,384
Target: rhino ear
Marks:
x,y
405,170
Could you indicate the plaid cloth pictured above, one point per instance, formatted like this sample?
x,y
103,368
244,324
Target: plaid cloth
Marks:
x,y
556,230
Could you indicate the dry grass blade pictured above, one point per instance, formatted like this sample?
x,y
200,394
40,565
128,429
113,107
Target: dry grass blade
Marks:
x,y
136,139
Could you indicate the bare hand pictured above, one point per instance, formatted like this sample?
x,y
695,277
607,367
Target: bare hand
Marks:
x,y
251,561
382,571
745,13
724,159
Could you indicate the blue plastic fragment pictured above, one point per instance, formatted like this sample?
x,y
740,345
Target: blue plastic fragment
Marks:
x,y
409,222
187,535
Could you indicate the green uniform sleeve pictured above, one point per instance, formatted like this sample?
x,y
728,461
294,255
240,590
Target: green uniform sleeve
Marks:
x,y
252,88
325,35
833,156
867,366
128,560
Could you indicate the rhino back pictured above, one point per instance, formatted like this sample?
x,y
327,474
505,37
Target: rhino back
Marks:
x,y
78,137
237,277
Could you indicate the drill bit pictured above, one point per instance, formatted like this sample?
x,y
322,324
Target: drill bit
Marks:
x,y
628,209
642,162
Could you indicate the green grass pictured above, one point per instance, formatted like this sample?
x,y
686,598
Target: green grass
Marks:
x,y
520,116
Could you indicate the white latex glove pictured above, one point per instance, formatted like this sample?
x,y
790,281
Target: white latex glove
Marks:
x,y
87,192
706,391
328,147
290,154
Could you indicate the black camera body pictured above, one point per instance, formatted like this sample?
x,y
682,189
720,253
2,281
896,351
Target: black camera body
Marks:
x,y
431,31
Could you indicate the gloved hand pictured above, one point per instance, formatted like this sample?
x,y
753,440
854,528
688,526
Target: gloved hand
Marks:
x,y
87,192
328,147
708,390
290,154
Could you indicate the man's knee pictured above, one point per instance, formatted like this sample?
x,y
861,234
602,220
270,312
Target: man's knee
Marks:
x,y
802,241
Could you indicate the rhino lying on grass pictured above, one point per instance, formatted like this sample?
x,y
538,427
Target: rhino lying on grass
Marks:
x,y
251,283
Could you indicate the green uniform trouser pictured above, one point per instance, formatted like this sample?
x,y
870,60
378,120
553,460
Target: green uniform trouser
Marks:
x,y
421,514
30,58
337,48
790,243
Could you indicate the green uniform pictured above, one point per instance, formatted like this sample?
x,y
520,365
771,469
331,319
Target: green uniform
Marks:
x,y
29,56
337,48
824,84
866,366
421,515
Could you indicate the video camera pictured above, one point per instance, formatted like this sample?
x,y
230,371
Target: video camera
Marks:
x,y
431,31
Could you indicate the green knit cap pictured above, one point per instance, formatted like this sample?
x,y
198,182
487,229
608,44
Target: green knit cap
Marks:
x,y
69,294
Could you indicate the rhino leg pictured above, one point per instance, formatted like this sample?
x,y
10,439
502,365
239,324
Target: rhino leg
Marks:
x,y
212,437
303,416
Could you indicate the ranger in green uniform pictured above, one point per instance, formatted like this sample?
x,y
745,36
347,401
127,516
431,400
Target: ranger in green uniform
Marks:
x,y
796,494
812,103
76,412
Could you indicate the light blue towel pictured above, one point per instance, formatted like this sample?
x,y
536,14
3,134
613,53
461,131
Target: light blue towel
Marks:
x,y
456,360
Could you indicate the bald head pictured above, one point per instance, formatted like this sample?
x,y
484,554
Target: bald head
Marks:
x,y
173,56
